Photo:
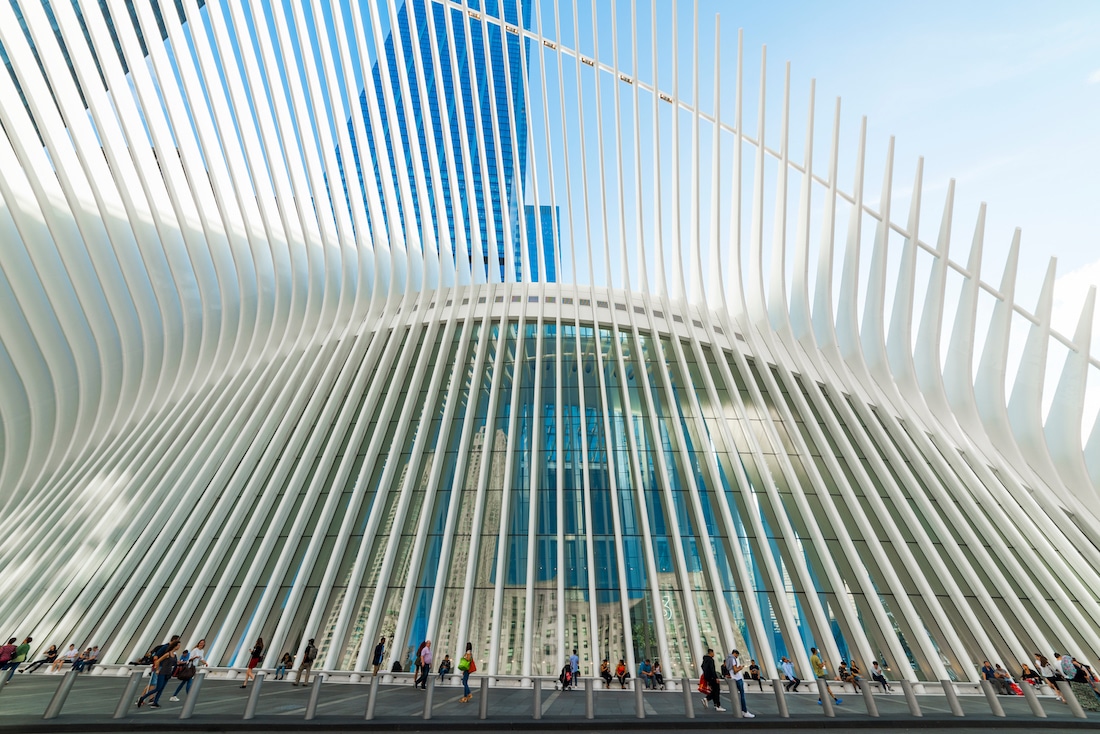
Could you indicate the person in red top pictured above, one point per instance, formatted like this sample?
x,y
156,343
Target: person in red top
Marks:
x,y
621,672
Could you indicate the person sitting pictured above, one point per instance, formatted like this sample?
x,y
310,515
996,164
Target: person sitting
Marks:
x,y
445,668
854,674
47,659
792,680
92,659
645,673
146,659
286,662
990,674
605,673
878,676
1031,676
1006,682
842,673
658,675
754,674
82,660
396,667
66,658
622,673
566,676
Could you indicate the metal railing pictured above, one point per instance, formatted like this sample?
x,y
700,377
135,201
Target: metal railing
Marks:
x,y
592,689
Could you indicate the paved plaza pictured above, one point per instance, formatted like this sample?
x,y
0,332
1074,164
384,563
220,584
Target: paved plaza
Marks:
x,y
221,705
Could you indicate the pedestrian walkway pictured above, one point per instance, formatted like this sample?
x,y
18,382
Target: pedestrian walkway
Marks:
x,y
220,704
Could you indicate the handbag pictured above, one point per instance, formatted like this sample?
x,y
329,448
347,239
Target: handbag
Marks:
x,y
186,672
464,664
704,687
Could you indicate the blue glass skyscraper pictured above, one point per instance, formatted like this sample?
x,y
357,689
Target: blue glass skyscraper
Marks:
x,y
493,196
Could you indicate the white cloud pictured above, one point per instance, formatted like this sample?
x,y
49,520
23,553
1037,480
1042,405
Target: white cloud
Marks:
x,y
1094,77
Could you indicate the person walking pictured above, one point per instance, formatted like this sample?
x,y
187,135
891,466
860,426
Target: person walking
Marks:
x,y
821,671
156,652
196,658
165,665
710,678
425,665
20,657
379,655
254,659
466,666
417,662
308,656
47,659
737,672
787,667
1043,665
7,652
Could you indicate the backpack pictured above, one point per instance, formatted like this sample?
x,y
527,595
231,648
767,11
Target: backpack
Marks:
x,y
1068,668
310,653
6,653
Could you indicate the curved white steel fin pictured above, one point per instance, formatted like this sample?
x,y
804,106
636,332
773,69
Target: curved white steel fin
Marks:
x,y
757,303
1025,405
847,313
1066,416
778,315
735,272
715,281
873,331
899,340
824,325
958,370
992,379
800,319
927,353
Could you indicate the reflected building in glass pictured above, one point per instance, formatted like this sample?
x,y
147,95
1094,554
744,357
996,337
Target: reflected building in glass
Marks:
x,y
575,358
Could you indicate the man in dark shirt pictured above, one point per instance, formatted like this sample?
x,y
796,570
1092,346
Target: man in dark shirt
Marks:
x,y
710,677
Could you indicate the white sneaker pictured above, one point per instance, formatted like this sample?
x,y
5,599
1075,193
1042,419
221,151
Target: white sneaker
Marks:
x,y
719,708
748,715
706,702
174,698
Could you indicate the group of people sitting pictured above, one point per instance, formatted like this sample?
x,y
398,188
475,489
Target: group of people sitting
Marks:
x,y
12,656
1080,678
850,673
649,672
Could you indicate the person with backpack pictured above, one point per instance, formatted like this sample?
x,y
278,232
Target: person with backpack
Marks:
x,y
165,666
308,656
154,654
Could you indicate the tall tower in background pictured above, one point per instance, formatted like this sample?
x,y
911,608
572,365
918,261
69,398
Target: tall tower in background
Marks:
x,y
487,196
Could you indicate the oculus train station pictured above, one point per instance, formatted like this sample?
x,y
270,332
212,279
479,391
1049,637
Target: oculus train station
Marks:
x,y
527,323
